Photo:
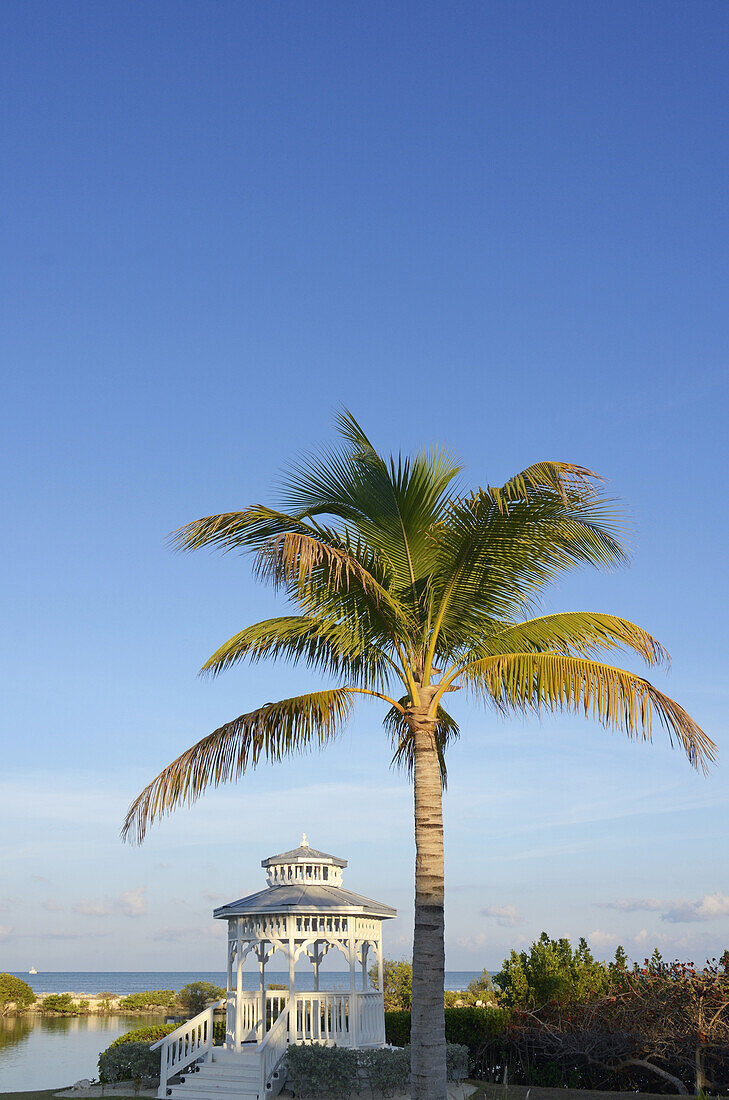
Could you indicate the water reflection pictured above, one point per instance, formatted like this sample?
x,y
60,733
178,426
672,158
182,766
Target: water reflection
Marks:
x,y
43,1052
13,1030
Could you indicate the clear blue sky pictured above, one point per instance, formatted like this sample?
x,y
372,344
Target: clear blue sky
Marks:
x,y
501,226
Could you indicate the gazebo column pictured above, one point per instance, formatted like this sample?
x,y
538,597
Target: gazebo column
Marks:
x,y
353,1001
292,977
365,952
380,966
262,955
316,959
239,993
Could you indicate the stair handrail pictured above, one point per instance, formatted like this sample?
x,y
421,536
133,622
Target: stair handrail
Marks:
x,y
187,1043
273,1048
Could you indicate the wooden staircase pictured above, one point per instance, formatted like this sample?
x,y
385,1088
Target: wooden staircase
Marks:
x,y
228,1076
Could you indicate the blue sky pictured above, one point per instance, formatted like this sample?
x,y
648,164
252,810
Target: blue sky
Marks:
x,y
503,227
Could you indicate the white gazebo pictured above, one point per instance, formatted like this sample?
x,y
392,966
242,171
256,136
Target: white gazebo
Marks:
x,y
303,912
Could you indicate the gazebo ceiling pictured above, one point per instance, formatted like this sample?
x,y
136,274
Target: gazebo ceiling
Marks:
x,y
298,897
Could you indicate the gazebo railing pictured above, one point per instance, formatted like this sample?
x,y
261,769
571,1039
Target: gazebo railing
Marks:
x,y
273,1049
319,1017
370,1019
186,1044
322,1018
250,1030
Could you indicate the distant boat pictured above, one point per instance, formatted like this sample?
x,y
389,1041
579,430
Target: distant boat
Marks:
x,y
32,970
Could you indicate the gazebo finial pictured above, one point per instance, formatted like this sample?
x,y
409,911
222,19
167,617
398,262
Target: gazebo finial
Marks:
x,y
304,841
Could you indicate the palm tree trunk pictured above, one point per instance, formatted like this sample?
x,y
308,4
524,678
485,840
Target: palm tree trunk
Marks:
x,y
427,1036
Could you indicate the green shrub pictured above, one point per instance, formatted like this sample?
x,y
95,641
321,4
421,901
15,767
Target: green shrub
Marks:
x,y
150,1034
456,1061
128,1061
481,1030
334,1071
315,1070
59,1002
149,998
552,970
15,993
195,996
388,1071
398,983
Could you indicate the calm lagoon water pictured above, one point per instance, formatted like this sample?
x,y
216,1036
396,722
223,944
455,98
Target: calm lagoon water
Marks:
x,y
45,1053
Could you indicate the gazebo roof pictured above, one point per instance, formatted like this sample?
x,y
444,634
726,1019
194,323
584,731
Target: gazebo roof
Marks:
x,y
303,854
297,897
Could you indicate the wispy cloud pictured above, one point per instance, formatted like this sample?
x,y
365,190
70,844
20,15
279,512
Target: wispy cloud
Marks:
x,y
133,903
91,908
52,905
5,931
602,940
6,904
209,895
680,911
506,915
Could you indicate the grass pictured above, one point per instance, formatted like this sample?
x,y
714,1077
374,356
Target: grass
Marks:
x,y
47,1094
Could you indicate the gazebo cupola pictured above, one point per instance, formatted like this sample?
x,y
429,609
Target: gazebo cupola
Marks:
x,y
304,864
305,912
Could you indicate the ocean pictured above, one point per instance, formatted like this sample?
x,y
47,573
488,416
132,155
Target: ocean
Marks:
x,y
134,981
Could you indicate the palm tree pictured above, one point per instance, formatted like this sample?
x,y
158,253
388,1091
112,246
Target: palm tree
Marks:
x,y
407,588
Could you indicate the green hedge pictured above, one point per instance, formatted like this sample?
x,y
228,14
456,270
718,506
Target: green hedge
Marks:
x,y
61,1002
149,998
335,1071
149,1034
481,1030
130,1061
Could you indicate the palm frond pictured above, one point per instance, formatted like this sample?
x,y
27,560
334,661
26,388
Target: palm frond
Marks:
x,y
493,562
341,648
246,530
577,633
388,504
403,740
562,477
268,733
612,696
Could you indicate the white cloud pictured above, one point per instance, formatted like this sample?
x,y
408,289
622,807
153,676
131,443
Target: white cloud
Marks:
x,y
133,903
6,904
506,915
602,941
633,905
709,907
91,908
209,895
52,905
678,911
5,931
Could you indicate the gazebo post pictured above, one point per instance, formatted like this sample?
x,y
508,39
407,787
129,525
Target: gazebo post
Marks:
x,y
262,966
239,993
365,952
316,958
292,978
229,1023
380,967
353,1002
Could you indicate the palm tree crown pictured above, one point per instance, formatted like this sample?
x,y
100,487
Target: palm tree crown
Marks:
x,y
408,588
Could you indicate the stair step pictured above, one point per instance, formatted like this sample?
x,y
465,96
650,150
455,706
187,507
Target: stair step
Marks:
x,y
183,1092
